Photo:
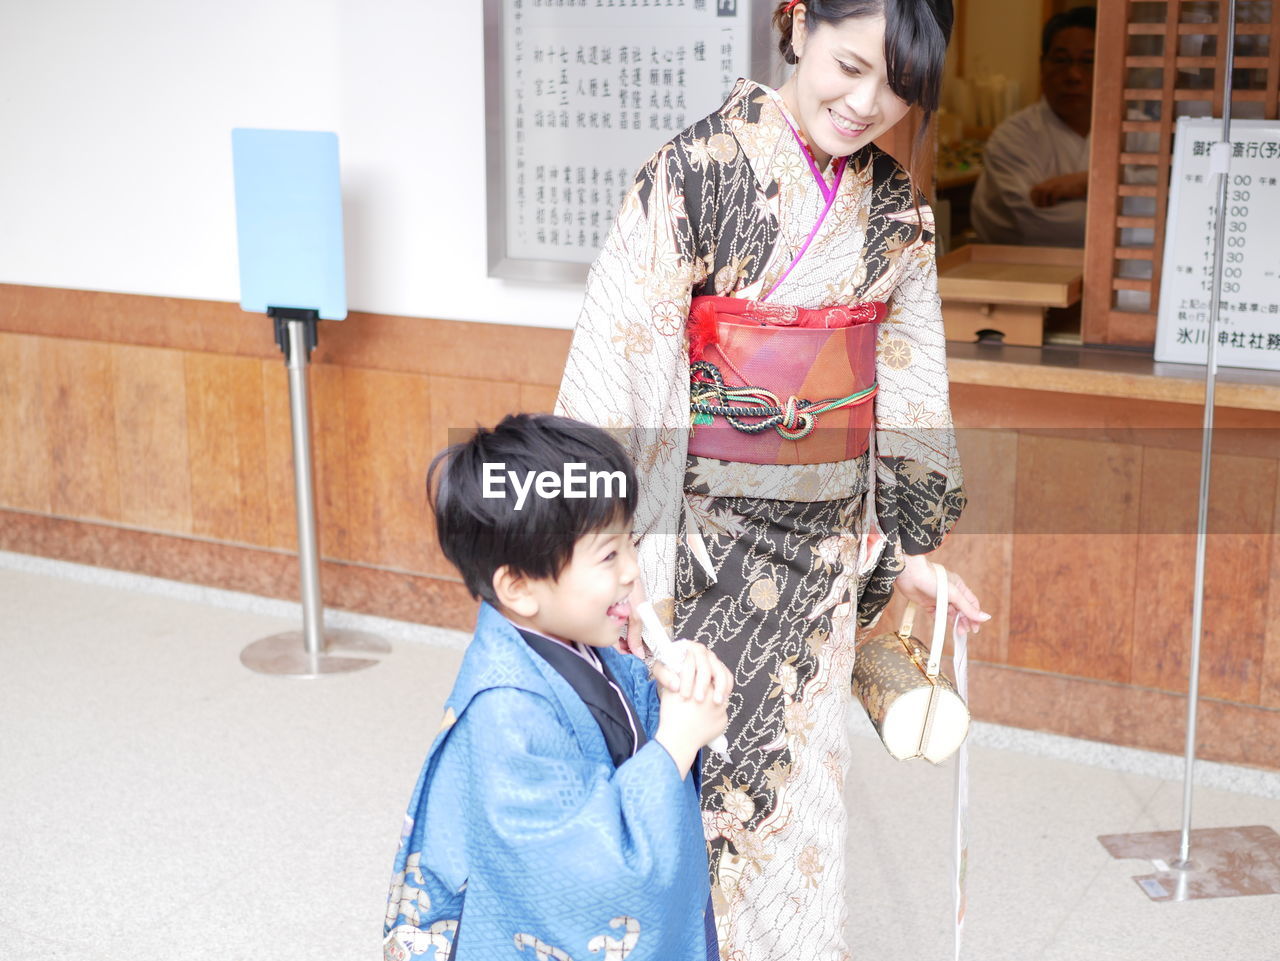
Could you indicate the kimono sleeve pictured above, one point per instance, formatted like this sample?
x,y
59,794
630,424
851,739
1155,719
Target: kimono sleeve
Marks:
x,y
919,489
628,366
559,846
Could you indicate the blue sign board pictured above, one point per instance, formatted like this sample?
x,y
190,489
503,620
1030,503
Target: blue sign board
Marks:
x,y
289,221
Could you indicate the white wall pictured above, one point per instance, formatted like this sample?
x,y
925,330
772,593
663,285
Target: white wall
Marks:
x,y
1003,37
115,145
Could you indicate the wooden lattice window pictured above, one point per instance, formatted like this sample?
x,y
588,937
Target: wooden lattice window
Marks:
x,y
1158,60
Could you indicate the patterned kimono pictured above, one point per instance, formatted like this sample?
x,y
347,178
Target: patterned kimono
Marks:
x,y
772,566
524,841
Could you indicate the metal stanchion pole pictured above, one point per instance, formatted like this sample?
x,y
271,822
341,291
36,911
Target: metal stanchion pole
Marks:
x,y
304,488
1223,163
1230,861
313,651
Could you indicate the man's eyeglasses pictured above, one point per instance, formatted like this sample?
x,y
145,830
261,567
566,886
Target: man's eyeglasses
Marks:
x,y
1060,61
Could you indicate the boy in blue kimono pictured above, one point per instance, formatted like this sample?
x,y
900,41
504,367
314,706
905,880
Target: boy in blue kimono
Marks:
x,y
555,818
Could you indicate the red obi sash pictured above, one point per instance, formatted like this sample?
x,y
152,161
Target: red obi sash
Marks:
x,y
772,384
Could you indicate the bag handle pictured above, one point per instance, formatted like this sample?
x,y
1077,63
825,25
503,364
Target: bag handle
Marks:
x,y
933,665
939,623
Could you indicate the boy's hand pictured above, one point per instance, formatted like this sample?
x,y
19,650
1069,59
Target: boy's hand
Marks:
x,y
632,642
694,708
700,674
686,725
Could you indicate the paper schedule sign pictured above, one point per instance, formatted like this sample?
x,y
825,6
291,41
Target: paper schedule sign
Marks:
x,y
1249,325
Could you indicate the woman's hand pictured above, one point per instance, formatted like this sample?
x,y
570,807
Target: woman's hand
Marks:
x,y
919,584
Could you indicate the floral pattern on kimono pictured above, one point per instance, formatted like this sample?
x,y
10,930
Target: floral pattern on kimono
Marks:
x,y
723,209
772,566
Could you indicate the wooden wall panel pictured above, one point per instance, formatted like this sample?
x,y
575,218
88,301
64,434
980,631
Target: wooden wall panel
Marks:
x,y
458,406
980,548
79,401
450,348
1122,714
281,524
135,319
330,470
227,444
26,462
1064,489
1271,659
531,355
329,459
50,312
1237,574
371,590
151,438
388,447
991,407
398,422
1074,557
985,562
537,399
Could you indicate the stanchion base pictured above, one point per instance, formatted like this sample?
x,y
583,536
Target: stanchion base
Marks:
x,y
286,654
1225,862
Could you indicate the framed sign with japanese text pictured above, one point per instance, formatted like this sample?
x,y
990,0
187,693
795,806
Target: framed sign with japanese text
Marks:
x,y
579,94
1249,312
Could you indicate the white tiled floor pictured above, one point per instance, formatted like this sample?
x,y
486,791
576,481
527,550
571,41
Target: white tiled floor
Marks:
x,y
159,801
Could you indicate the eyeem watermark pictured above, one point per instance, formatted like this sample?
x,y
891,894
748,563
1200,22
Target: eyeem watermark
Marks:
x,y
575,481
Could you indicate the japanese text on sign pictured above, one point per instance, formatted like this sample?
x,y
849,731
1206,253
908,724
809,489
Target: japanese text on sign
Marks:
x,y
591,89
1248,333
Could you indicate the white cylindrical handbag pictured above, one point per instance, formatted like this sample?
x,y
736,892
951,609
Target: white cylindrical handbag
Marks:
x,y
913,705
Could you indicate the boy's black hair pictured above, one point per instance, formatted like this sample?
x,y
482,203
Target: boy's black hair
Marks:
x,y
480,534
1086,17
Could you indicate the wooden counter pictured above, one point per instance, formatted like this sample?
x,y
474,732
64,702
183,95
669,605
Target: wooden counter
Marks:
x,y
1007,289
1132,375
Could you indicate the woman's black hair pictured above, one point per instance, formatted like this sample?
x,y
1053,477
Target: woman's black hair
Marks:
x,y
916,34
482,525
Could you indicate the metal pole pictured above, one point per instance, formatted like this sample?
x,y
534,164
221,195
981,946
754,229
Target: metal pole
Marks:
x,y
304,488
1206,449
312,652
1216,872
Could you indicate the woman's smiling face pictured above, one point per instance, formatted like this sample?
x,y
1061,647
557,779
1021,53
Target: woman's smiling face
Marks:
x,y
839,92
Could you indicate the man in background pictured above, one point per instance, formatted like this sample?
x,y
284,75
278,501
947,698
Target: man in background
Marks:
x,y
1035,170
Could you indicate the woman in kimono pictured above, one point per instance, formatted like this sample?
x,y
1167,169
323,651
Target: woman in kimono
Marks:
x,y
770,282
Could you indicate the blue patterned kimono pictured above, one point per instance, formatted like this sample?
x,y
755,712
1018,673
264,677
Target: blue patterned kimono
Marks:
x,y
523,840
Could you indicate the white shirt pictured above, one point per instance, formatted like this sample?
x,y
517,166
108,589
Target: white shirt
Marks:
x,y
1027,149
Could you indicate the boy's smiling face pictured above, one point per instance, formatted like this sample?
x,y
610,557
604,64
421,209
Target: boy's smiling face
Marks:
x,y
589,602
